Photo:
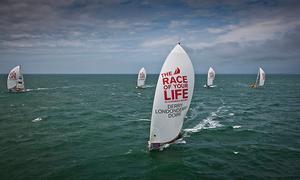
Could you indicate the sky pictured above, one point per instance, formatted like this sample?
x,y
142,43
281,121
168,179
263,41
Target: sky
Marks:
x,y
121,36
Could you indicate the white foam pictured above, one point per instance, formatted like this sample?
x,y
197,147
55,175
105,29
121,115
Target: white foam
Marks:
x,y
37,119
208,122
231,114
148,120
222,101
180,141
42,89
144,119
129,151
235,152
149,86
236,127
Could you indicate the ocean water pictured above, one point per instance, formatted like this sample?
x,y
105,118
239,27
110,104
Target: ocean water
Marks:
x,y
97,127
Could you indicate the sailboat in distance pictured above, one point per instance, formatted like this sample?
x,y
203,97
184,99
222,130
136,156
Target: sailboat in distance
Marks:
x,y
210,78
173,95
15,80
260,79
141,78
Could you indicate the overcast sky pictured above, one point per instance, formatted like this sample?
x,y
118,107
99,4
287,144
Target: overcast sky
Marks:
x,y
121,36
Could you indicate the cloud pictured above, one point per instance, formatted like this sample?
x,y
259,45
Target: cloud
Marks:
x,y
161,41
221,29
177,24
219,32
258,31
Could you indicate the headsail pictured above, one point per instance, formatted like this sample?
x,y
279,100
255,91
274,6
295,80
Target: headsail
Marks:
x,y
15,80
141,78
173,95
210,76
262,77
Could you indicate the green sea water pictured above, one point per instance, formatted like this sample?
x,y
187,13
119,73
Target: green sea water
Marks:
x,y
97,127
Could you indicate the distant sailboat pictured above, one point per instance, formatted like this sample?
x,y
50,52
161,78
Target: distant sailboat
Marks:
x,y
141,78
260,79
15,80
210,78
172,99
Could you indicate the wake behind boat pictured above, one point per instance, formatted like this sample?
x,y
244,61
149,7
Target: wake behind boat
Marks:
x,y
260,79
173,95
141,78
210,78
15,80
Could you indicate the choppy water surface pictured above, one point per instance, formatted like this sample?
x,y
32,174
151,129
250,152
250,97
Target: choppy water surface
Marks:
x,y
97,127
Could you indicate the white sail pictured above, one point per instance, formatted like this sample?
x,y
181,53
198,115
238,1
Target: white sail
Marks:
x,y
141,78
210,76
172,98
15,80
257,79
262,77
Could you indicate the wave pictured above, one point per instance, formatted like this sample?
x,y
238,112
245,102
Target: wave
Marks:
x,y
137,120
149,86
209,122
178,141
236,127
144,119
42,88
37,119
129,151
242,84
38,89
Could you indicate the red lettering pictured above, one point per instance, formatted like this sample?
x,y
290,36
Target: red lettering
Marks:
x,y
172,80
179,79
172,92
177,93
184,79
185,93
166,96
166,74
165,81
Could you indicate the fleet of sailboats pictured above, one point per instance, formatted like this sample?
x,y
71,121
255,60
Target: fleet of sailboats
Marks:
x,y
173,95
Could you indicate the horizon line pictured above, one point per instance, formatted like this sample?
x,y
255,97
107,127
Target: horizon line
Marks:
x,y
147,74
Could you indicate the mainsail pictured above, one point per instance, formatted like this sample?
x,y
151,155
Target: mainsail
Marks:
x,y
261,77
141,78
210,76
15,80
172,98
